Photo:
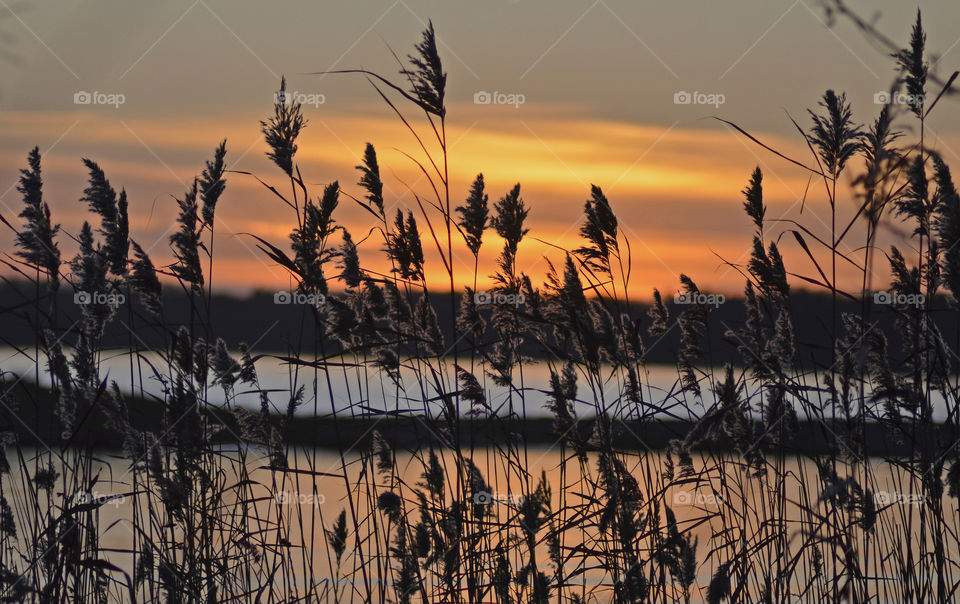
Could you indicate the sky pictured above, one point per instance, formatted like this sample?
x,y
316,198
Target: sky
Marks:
x,y
584,92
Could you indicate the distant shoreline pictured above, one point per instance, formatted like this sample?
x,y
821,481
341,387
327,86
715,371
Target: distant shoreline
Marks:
x,y
34,424
290,328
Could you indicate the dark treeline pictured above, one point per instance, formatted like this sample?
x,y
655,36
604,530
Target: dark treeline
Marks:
x,y
269,327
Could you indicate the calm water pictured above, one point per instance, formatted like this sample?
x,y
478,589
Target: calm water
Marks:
x,y
356,392
719,497
721,504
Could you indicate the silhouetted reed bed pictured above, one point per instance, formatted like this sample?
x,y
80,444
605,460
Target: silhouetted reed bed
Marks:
x,y
213,502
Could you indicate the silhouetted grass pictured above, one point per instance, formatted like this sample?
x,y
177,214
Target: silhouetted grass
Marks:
x,y
456,505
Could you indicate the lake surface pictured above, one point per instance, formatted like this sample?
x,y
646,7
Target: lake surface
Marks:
x,y
718,506
352,391
722,505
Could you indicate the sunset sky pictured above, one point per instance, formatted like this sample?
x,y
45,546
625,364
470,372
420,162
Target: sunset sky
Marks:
x,y
598,79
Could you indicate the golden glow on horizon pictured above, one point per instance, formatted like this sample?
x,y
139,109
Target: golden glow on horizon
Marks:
x,y
676,190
